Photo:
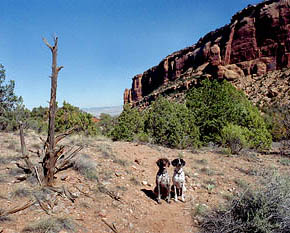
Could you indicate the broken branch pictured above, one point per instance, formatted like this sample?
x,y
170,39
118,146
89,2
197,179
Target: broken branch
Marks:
x,y
113,228
17,209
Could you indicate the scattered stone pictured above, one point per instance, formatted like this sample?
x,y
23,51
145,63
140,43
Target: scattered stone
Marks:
x,y
131,225
64,177
134,167
196,222
118,174
144,182
137,161
231,189
102,214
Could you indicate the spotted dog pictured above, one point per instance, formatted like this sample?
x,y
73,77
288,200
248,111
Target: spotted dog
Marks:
x,y
162,188
178,179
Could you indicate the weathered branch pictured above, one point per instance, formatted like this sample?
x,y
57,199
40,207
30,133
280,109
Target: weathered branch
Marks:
x,y
65,134
47,44
66,162
37,175
17,209
113,227
23,148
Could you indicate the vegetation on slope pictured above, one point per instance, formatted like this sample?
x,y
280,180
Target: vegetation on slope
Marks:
x,y
205,116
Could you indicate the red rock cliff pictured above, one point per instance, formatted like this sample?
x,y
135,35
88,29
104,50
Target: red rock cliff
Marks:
x,y
256,41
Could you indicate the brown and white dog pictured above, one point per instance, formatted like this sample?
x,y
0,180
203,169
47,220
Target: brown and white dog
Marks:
x,y
162,188
178,179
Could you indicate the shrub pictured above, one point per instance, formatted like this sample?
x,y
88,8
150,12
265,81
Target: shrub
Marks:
x,y
171,124
106,124
142,137
217,103
277,119
263,210
52,225
86,166
69,116
234,137
10,104
129,123
38,120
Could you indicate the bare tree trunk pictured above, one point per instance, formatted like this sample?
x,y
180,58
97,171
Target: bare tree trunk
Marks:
x,y
23,149
51,155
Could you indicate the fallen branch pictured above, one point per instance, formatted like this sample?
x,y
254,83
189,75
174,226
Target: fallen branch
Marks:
x,y
25,169
42,206
64,192
86,194
113,227
37,175
17,209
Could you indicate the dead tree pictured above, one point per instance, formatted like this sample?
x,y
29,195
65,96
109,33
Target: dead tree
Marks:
x,y
53,158
51,154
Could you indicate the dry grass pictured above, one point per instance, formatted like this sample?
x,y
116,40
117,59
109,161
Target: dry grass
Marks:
x,y
21,192
86,166
52,225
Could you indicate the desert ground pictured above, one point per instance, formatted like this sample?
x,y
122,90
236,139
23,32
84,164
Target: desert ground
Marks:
x,y
116,195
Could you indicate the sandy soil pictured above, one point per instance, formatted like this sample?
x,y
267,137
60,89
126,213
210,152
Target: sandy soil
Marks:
x,y
121,199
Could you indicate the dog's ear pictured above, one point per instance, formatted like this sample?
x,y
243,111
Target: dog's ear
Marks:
x,y
174,162
182,162
159,162
167,162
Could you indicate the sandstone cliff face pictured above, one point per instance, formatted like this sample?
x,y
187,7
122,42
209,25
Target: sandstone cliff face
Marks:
x,y
256,41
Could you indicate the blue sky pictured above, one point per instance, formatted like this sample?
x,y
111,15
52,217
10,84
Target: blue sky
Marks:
x,y
102,43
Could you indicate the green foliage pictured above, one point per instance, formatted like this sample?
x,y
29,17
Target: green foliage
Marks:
x,y
277,119
171,124
19,113
69,116
142,137
38,120
129,123
106,124
234,137
217,103
11,106
263,210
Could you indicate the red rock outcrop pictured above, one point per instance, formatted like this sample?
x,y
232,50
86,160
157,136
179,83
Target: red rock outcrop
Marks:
x,y
256,41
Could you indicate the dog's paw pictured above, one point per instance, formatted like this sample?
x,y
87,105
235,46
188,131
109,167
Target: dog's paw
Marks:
x,y
158,201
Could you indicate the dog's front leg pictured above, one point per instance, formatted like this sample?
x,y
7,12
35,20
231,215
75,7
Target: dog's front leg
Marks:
x,y
183,189
159,193
168,197
175,193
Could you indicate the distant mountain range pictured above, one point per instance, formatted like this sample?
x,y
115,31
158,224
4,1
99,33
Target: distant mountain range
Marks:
x,y
96,111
